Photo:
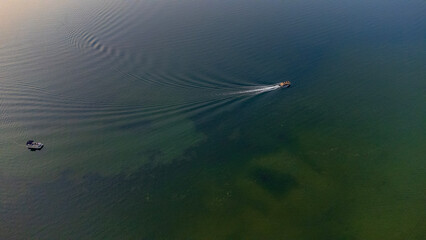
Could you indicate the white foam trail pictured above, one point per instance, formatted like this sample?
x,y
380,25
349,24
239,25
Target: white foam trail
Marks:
x,y
258,90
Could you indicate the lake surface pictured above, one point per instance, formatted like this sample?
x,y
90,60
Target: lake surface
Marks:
x,y
160,119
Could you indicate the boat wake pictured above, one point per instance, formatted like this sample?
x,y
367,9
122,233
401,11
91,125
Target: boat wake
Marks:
x,y
256,90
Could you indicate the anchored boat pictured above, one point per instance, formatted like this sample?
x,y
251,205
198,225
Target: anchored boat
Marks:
x,y
34,145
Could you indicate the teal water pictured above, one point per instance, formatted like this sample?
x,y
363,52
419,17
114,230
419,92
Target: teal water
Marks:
x,y
159,120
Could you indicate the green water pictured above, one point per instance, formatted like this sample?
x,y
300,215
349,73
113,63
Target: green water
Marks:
x,y
159,120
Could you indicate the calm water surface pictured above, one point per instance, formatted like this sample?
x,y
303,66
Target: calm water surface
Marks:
x,y
159,120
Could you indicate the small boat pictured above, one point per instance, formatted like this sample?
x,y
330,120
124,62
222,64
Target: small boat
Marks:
x,y
34,145
285,84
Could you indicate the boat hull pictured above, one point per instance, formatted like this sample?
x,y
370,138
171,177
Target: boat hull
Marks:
x,y
35,147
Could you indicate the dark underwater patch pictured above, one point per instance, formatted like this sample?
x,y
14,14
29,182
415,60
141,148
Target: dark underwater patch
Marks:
x,y
277,183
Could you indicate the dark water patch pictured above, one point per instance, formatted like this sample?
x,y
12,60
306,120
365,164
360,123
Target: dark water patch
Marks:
x,y
276,183
152,191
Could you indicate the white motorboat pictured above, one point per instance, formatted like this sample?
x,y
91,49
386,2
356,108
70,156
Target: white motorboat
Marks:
x,y
32,145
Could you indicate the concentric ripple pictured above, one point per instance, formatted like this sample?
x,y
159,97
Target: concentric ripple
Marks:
x,y
108,69
101,37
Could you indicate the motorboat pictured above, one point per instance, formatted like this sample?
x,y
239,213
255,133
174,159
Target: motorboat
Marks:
x,y
285,84
32,145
